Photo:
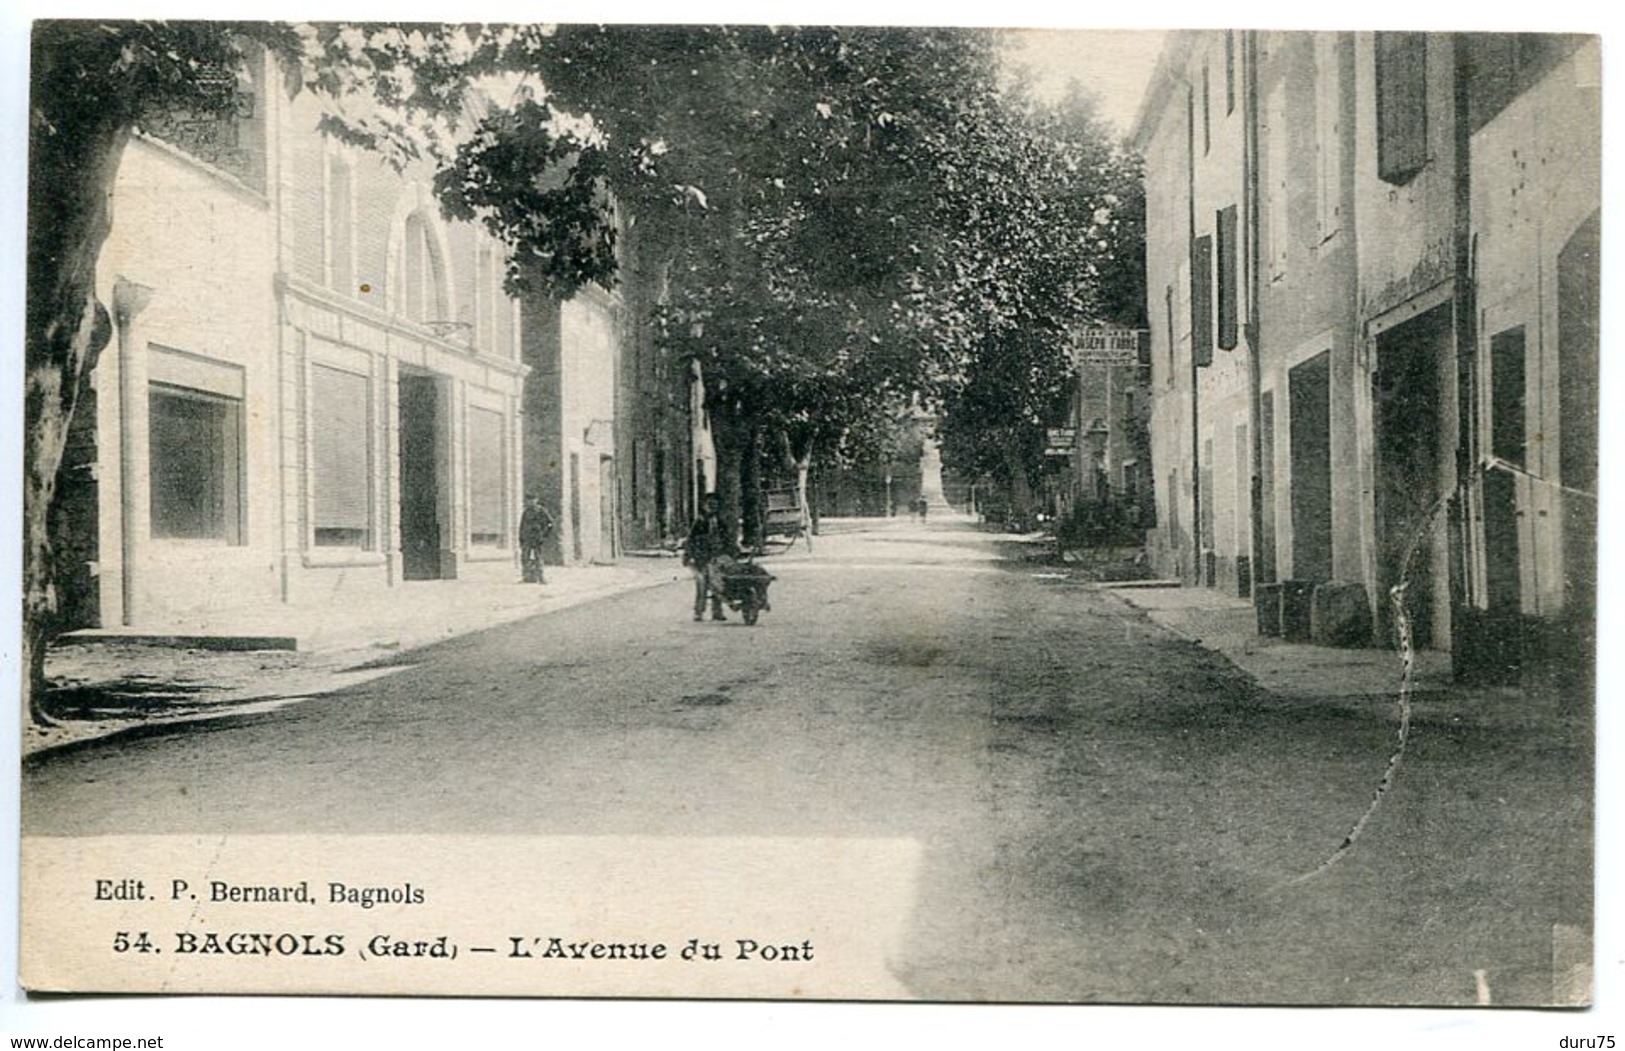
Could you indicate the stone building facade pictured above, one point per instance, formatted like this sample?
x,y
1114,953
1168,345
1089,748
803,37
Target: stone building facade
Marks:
x,y
314,388
1372,260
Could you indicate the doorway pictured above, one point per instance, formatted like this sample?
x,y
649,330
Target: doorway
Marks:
x,y
607,485
421,445
575,507
1265,570
1407,407
1508,443
1309,407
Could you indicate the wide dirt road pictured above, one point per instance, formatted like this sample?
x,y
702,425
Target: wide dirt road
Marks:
x,y
1103,812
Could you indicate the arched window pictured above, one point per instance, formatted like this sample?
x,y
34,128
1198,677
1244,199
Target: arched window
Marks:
x,y
422,270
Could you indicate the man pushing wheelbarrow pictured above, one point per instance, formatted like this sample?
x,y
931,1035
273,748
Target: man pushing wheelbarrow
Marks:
x,y
719,573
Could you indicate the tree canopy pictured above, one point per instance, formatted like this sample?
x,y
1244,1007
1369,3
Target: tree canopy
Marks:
x,y
850,219
1071,248
846,221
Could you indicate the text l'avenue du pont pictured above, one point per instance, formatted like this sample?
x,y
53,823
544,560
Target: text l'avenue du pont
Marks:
x,y
284,944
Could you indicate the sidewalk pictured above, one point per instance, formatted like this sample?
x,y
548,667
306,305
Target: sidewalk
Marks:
x,y
1229,626
1325,674
243,661
403,617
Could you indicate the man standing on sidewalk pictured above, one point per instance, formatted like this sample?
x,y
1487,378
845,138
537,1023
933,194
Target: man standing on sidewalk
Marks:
x,y
535,526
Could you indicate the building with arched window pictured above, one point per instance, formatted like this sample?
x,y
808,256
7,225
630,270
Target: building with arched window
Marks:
x,y
315,385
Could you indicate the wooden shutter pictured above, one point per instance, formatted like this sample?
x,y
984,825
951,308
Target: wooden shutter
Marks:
x,y
486,517
1228,291
1202,301
339,437
1401,73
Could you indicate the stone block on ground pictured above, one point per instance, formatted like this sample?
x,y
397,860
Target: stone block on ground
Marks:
x,y
1296,602
1340,614
1267,601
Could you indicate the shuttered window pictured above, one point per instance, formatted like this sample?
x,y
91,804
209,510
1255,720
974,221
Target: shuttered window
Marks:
x,y
340,474
1278,195
1402,129
1228,293
1329,132
487,519
1202,300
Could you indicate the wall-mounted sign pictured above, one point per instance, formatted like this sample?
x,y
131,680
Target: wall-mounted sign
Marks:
x,y
1107,346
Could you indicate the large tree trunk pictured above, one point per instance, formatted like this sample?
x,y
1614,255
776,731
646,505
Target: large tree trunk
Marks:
x,y
727,435
750,486
804,500
71,171
800,460
815,492
1021,490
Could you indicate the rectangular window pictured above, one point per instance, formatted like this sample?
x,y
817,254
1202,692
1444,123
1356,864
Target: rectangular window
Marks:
x,y
229,136
1278,193
1202,300
487,468
1328,133
195,464
1229,302
486,296
1401,75
1229,71
341,462
340,228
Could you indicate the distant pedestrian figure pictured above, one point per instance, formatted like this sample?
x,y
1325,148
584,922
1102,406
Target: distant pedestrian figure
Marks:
x,y
705,551
535,526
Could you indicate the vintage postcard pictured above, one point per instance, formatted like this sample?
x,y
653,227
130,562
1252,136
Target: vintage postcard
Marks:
x,y
826,513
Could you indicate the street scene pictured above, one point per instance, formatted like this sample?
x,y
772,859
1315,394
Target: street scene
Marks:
x,y
1169,512
1108,811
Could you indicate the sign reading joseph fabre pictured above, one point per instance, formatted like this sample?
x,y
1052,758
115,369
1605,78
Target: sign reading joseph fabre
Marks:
x,y
1106,346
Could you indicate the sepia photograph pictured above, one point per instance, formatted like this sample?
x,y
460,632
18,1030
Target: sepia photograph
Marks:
x,y
890,514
